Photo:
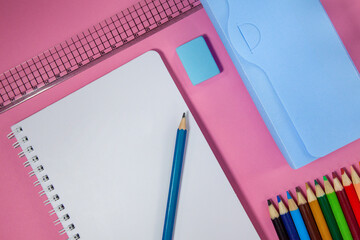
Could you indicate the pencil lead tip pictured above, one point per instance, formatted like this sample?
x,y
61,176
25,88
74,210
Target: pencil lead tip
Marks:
x,y
307,185
183,115
269,202
334,175
325,178
278,198
342,171
316,182
297,189
288,195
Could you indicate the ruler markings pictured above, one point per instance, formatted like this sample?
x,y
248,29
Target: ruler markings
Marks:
x,y
16,91
67,58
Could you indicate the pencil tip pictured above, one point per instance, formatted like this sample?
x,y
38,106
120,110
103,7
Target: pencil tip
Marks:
x,y
307,185
325,178
316,182
269,202
297,189
288,195
352,168
334,175
342,171
278,198
183,115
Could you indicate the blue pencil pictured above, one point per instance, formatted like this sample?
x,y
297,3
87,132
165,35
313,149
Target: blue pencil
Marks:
x,y
297,218
287,221
175,180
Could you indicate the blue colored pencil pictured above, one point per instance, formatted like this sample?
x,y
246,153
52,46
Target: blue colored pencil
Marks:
x,y
287,221
175,180
297,218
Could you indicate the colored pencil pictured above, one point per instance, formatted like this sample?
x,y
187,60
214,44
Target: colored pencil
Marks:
x,y
351,194
175,180
355,180
346,207
336,209
278,225
328,214
297,218
287,220
317,213
307,215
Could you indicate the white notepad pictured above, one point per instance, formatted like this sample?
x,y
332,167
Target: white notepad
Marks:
x,y
107,150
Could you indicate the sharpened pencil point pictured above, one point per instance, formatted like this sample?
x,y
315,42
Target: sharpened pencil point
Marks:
x,y
269,202
334,175
342,171
288,195
316,182
325,178
307,186
278,198
297,189
182,125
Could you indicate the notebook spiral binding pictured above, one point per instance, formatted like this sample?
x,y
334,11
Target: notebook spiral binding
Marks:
x,y
48,188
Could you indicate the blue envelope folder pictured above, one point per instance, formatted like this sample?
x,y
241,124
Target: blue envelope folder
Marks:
x,y
296,70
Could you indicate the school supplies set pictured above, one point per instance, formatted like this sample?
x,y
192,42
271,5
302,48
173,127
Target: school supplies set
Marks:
x,y
102,155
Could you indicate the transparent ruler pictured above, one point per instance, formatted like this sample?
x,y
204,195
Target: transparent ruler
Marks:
x,y
95,44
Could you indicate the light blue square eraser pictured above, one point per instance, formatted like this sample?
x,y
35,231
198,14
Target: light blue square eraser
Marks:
x,y
197,60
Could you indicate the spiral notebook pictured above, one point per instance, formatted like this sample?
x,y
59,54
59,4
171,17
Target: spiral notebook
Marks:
x,y
103,157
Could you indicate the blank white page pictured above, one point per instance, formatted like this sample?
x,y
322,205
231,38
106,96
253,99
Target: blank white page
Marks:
x,y
108,148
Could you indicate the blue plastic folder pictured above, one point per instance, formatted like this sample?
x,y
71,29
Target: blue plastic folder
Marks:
x,y
296,70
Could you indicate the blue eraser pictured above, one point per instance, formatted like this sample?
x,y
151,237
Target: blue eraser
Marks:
x,y
197,60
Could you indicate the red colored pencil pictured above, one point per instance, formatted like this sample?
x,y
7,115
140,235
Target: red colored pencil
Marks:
x,y
351,194
346,207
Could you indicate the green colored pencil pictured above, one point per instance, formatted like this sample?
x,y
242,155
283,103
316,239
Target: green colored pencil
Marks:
x,y
337,211
326,209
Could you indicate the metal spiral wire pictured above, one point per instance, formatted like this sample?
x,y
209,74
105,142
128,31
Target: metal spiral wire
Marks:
x,y
44,181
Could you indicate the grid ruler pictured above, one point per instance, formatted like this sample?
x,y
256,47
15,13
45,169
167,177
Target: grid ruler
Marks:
x,y
95,44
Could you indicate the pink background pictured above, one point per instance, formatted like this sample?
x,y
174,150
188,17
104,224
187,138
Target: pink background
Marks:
x,y
224,109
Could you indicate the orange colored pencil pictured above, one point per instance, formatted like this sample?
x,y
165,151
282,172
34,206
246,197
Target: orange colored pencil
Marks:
x,y
317,213
355,180
351,194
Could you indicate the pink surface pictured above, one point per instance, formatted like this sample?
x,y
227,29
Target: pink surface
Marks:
x,y
224,109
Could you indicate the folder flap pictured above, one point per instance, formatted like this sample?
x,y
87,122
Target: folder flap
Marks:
x,y
298,50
